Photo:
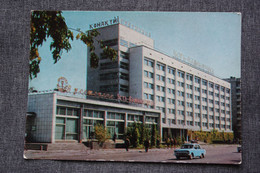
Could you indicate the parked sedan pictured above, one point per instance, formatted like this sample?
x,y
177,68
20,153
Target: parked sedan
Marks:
x,y
190,151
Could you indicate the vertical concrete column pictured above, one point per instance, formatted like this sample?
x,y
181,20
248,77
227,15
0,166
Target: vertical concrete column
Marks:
x,y
193,100
165,93
200,103
80,123
175,95
185,99
105,119
214,108
207,104
125,123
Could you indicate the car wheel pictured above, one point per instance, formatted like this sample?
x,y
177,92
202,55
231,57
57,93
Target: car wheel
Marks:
x,y
191,156
178,158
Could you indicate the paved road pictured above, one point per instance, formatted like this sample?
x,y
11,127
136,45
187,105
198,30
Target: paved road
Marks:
x,y
220,154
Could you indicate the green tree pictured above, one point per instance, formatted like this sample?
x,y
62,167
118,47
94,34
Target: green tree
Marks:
x,y
45,24
154,134
101,134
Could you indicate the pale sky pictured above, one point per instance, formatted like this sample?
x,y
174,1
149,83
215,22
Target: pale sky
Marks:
x,y
212,39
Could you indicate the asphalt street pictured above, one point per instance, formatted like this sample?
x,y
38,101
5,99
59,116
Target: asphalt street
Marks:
x,y
216,154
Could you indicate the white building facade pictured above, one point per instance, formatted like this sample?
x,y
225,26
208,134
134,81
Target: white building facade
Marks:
x,y
189,98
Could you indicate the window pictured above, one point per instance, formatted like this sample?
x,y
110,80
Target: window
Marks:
x,y
217,102
108,88
180,112
189,114
204,107
124,55
216,94
160,99
180,103
150,86
189,95
189,77
148,74
197,89
204,82
171,111
160,78
132,44
217,110
211,109
210,101
145,84
197,115
123,88
189,105
148,62
171,101
211,93
228,90
211,85
124,65
197,106
124,76
113,42
204,99
205,116
216,86
150,97
180,93
171,81
170,91
180,74
171,70
197,79
123,42
189,86
160,67
108,65
222,89
181,84
204,91
108,76
197,97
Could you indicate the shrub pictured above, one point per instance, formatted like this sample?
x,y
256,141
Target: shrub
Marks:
x,y
101,134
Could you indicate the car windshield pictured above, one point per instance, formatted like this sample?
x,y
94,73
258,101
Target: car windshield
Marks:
x,y
186,146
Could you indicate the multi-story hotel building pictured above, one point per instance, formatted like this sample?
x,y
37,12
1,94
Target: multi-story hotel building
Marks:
x,y
236,105
188,97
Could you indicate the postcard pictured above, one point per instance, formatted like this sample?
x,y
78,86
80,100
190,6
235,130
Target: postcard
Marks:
x,y
134,86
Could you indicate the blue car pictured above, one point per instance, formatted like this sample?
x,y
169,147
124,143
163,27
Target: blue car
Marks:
x,y
190,151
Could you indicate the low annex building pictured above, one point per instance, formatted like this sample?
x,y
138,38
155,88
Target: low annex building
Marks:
x,y
56,117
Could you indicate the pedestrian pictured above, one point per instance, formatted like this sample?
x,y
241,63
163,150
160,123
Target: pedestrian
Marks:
x,y
127,143
146,145
158,142
175,143
167,142
171,142
114,137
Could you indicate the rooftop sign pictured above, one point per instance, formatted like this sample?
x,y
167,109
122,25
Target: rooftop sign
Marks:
x,y
116,20
113,21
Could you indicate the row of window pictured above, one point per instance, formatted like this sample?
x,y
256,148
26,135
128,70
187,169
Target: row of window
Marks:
x,y
171,70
